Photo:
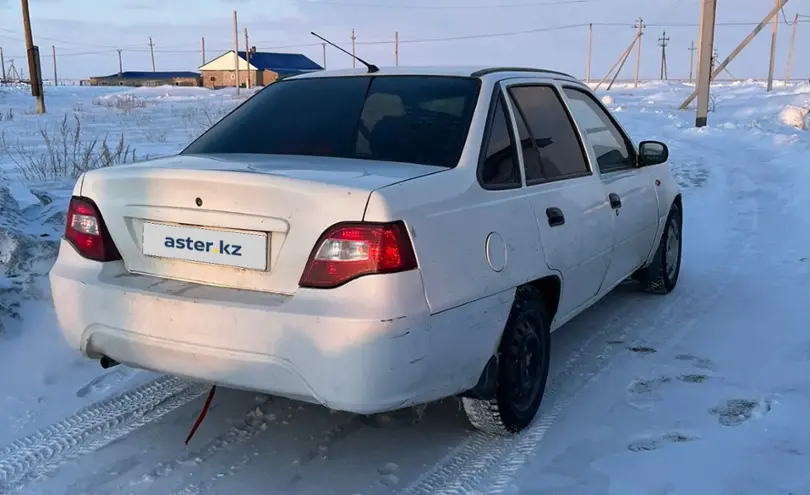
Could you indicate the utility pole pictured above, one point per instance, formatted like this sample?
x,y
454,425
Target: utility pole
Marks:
x,y
590,47
2,64
396,48
662,42
152,51
691,59
353,55
640,27
236,51
773,49
621,60
621,66
202,48
792,45
53,51
764,22
323,45
120,63
33,60
708,9
247,59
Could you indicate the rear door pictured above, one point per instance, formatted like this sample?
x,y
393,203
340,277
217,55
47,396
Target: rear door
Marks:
x,y
567,198
630,188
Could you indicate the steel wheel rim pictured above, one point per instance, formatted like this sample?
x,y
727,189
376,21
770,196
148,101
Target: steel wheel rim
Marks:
x,y
527,366
673,249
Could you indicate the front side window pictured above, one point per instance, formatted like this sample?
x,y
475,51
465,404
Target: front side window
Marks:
x,y
609,144
412,119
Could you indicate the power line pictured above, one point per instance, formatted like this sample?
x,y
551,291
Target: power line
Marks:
x,y
697,25
785,17
102,49
448,7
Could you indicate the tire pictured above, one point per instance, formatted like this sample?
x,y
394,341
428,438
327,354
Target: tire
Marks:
x,y
661,276
521,384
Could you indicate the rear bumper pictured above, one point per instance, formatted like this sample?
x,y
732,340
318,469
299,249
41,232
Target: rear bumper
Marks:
x,y
363,347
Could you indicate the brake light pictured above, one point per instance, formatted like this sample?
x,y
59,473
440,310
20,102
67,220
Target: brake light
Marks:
x,y
350,250
86,231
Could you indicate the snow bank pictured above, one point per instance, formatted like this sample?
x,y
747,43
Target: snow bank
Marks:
x,y
29,239
174,94
165,93
795,117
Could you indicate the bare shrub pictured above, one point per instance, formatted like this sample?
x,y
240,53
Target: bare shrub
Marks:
x,y
201,117
143,119
65,152
151,132
8,115
153,135
124,103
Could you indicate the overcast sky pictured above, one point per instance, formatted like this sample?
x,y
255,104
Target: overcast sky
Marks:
x,y
87,33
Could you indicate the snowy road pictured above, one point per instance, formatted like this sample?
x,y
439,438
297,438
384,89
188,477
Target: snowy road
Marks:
x,y
705,390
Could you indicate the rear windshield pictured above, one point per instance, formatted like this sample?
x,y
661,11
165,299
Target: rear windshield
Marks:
x,y
414,119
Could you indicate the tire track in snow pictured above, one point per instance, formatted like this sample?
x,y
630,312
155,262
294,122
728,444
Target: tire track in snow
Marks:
x,y
327,439
254,422
97,425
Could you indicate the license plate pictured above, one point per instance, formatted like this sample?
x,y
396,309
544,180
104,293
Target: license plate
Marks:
x,y
203,245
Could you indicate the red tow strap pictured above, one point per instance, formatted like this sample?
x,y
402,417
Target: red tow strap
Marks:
x,y
202,413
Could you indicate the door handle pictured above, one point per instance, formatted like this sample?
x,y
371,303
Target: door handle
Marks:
x,y
615,200
555,216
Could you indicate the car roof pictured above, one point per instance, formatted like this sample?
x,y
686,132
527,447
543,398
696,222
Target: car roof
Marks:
x,y
443,70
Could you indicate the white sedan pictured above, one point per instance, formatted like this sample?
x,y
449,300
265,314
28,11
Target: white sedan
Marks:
x,y
372,241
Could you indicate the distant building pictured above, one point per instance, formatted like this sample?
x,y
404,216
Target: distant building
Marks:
x,y
132,78
263,68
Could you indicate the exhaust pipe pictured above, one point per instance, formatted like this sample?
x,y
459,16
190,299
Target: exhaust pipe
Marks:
x,y
108,362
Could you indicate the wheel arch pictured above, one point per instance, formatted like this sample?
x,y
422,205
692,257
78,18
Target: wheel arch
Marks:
x,y
678,201
550,289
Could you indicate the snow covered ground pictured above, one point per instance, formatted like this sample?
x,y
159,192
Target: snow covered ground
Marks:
x,y
704,391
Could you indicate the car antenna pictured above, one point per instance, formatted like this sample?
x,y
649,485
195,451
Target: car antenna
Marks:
x,y
371,67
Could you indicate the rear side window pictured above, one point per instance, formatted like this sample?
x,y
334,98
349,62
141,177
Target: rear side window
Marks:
x,y
552,132
414,119
500,164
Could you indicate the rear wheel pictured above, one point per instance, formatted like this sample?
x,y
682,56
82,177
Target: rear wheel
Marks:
x,y
523,365
661,276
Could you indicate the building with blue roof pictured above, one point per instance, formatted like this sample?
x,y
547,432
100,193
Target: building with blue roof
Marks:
x,y
255,68
142,78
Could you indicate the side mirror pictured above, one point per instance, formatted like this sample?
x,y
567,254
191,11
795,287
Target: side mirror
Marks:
x,y
652,153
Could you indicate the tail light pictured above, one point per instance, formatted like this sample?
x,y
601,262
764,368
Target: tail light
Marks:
x,y
350,250
86,231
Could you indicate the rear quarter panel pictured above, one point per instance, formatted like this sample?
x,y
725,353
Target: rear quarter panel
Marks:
x,y
470,243
453,225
